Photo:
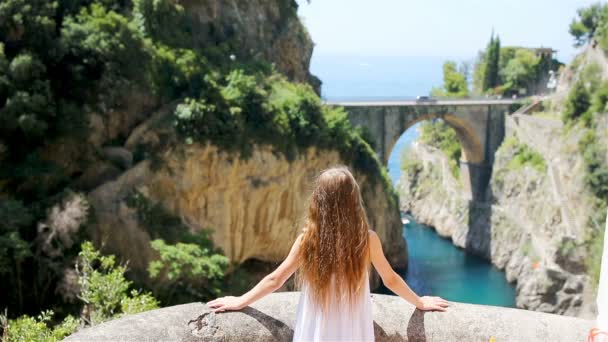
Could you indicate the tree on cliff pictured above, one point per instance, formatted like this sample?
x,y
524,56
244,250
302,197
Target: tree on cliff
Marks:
x,y
492,64
520,71
584,28
454,81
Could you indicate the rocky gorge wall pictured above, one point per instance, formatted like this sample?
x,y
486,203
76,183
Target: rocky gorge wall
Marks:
x,y
267,29
533,228
537,224
273,318
253,205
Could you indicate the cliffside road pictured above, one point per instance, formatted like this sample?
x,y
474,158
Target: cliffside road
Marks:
x,y
414,103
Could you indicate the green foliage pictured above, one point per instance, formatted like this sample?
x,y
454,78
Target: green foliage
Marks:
x,y
439,135
164,21
454,82
595,250
243,109
519,71
596,164
492,64
62,60
524,155
510,70
14,217
104,289
178,72
584,27
158,222
599,100
577,103
591,75
189,268
26,328
410,167
137,302
588,97
110,47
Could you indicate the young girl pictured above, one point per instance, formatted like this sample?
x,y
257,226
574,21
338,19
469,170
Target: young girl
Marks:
x,y
333,254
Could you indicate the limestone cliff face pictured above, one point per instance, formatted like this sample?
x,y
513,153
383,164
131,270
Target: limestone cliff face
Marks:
x,y
267,29
254,206
535,226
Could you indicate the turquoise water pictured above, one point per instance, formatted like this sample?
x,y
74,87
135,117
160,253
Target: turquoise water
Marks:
x,y
435,265
438,268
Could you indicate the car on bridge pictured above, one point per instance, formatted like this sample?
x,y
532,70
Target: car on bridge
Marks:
x,y
424,98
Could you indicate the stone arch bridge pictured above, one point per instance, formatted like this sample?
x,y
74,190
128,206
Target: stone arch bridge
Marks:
x,y
479,125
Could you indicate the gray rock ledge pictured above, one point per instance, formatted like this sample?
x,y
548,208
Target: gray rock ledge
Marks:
x,y
273,317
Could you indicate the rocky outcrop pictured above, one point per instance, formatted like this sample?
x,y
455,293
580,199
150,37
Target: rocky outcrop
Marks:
x,y
266,29
273,317
254,206
535,226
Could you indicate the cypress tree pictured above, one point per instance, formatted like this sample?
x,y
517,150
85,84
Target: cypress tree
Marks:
x,y
496,63
491,77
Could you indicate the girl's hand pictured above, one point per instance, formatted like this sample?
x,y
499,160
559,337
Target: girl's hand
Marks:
x,y
428,303
229,303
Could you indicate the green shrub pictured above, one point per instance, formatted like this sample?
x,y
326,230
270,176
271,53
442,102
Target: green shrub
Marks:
x,y
524,155
104,288
577,103
439,135
410,166
599,102
38,328
241,110
187,270
595,244
103,292
596,164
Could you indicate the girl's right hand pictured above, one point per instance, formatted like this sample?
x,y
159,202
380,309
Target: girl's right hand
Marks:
x,y
428,303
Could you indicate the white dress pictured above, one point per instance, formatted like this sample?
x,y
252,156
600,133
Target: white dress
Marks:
x,y
345,323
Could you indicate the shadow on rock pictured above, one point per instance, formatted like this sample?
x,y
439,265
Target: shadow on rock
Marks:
x,y
278,329
415,327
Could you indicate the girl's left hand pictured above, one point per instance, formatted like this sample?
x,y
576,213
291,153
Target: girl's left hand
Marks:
x,y
229,303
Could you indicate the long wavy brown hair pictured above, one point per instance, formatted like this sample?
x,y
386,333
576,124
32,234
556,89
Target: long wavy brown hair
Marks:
x,y
335,247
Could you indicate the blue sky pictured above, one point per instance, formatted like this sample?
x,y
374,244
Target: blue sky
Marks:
x,y
445,28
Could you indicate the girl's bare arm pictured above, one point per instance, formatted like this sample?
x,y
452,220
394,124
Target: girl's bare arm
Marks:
x,y
269,284
395,283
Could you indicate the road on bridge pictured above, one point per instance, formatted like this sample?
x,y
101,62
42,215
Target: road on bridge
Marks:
x,y
413,103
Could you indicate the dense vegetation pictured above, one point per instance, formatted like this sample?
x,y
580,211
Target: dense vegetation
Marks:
x,y
440,135
244,108
104,294
523,155
586,109
591,26
510,70
63,60
502,71
455,82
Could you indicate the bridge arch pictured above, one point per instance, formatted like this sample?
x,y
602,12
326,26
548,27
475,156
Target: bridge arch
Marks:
x,y
471,143
479,125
